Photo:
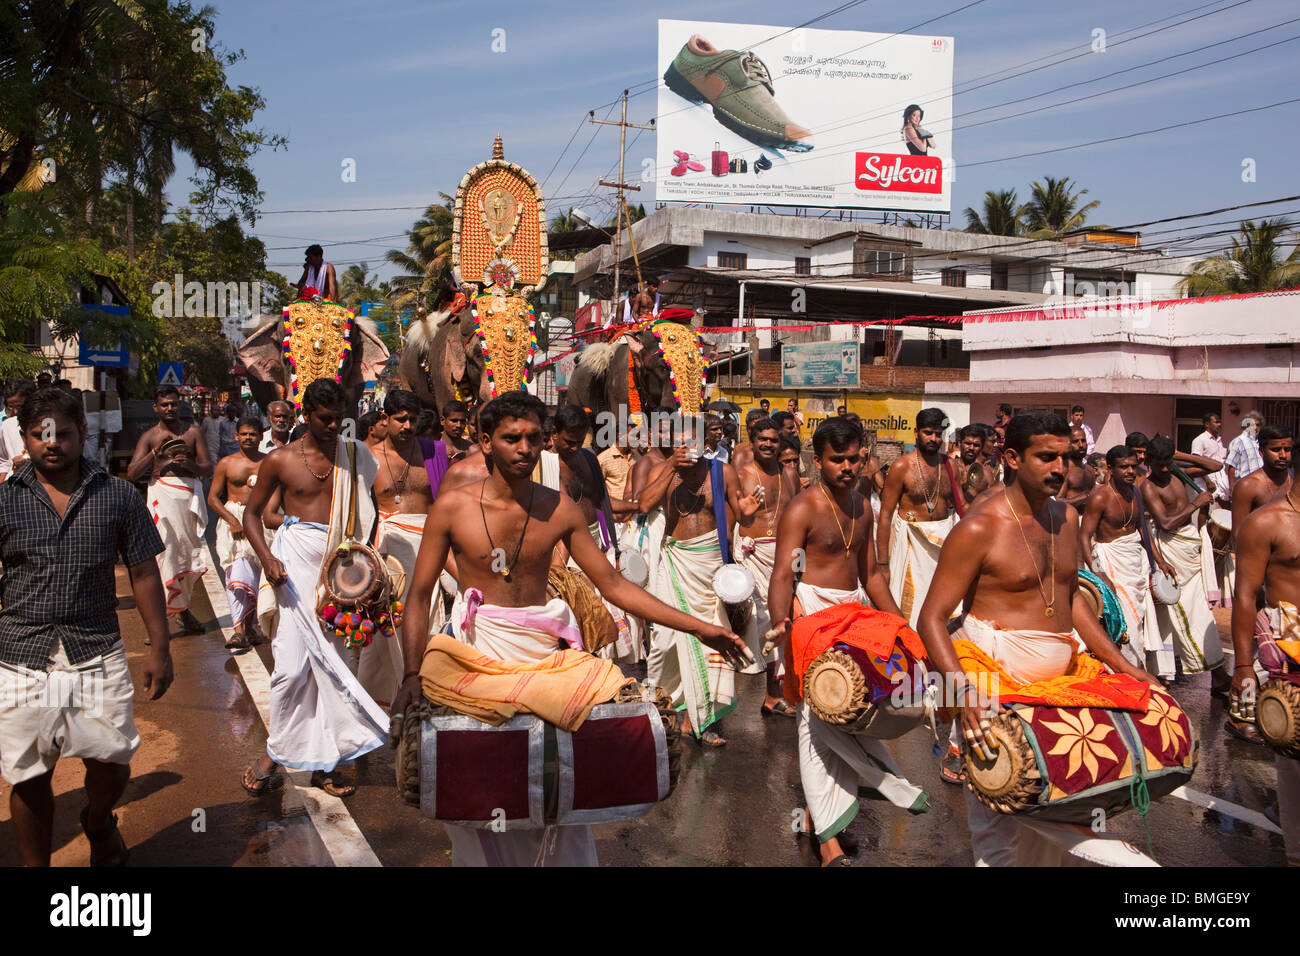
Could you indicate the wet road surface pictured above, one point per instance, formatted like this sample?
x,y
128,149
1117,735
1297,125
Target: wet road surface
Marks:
x,y
734,806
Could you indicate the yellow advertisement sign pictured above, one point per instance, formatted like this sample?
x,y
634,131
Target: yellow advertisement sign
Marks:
x,y
892,415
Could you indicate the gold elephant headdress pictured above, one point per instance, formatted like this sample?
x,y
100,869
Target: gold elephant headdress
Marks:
x,y
683,351
499,242
317,342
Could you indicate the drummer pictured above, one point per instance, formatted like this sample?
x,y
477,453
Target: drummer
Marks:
x,y
824,557
756,545
1014,559
1268,561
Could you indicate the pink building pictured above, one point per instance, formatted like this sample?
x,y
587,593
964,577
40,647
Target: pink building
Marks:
x,y
1150,366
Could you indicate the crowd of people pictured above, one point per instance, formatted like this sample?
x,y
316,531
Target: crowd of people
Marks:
x,y
985,528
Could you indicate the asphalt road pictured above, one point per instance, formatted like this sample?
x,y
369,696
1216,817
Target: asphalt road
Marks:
x,y
735,806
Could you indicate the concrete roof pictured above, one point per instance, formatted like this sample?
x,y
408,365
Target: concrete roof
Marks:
x,y
1191,388
931,290
686,226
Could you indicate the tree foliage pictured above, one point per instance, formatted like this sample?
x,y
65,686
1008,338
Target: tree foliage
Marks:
x,y
1255,263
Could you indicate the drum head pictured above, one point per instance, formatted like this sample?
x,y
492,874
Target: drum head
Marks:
x,y
1092,595
733,583
1277,713
834,687
633,566
352,576
1164,590
1010,781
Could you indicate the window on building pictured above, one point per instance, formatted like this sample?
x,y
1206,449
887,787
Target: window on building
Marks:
x,y
32,338
732,260
802,266
998,277
880,262
956,277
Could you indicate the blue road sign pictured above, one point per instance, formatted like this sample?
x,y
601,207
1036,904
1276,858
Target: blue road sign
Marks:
x,y
107,358
171,373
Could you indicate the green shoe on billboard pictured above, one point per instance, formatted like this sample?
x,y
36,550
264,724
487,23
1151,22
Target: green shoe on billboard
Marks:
x,y
739,87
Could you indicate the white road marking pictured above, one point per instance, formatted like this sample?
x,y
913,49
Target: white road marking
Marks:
x,y
1219,805
343,839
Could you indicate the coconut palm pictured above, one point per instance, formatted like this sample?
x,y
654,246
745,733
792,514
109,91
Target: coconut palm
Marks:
x,y
426,259
1001,215
1254,264
1054,208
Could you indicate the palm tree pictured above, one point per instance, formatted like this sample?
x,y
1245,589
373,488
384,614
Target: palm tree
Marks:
x,y
426,259
1001,215
1053,208
1254,263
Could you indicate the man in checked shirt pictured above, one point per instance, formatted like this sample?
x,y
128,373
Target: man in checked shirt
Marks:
x,y
65,689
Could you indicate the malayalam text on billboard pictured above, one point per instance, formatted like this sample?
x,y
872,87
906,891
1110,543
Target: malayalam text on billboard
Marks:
x,y
764,115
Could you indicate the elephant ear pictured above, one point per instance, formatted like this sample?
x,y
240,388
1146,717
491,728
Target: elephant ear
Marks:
x,y
370,354
262,354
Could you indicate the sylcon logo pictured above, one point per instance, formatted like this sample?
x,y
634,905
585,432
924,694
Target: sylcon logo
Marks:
x,y
890,172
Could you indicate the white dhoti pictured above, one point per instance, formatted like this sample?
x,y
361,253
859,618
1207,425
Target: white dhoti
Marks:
x,y
1190,622
759,556
913,557
647,537
1125,562
320,715
181,516
1000,839
834,766
527,634
625,648
380,665
700,681
242,570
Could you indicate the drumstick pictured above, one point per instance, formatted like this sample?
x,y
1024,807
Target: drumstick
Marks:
x,y
769,640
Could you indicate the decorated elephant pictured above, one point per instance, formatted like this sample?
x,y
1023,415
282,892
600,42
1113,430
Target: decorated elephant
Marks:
x,y
324,340
443,358
666,367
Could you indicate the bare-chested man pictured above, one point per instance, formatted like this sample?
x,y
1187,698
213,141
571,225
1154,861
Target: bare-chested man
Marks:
x,y
687,484
826,556
503,554
175,459
1117,546
320,715
645,301
973,476
281,416
1079,479
319,275
455,419
1178,541
1013,560
743,454
755,546
916,514
406,467
1268,563
1270,482
232,482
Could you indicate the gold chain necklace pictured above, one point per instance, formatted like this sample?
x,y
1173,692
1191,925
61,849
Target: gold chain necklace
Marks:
x,y
302,447
853,519
931,496
1052,538
398,485
773,509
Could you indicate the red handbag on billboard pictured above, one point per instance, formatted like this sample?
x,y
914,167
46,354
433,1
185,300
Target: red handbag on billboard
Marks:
x,y
720,160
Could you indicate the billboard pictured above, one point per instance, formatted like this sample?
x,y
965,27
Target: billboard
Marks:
x,y
763,115
819,365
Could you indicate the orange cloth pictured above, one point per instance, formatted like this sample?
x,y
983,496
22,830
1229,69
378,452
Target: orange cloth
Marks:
x,y
1085,684
561,689
854,624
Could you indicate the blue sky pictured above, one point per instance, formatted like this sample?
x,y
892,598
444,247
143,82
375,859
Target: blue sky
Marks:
x,y
413,92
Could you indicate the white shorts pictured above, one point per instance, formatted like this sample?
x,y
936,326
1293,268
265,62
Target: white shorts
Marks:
x,y
84,711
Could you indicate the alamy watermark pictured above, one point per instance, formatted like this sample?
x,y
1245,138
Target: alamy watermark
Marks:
x,y
195,300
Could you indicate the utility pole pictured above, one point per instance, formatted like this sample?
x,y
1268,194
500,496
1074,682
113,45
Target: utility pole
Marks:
x,y
621,215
